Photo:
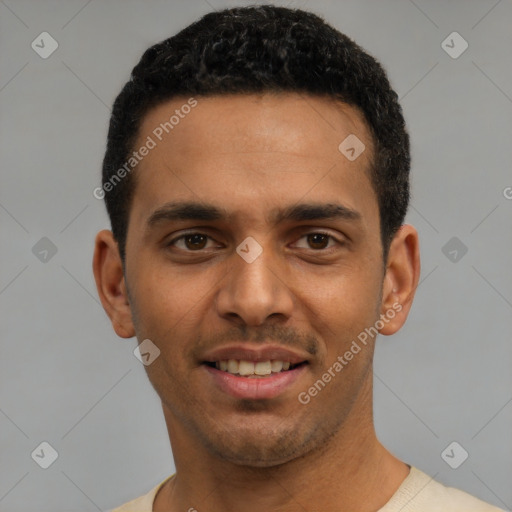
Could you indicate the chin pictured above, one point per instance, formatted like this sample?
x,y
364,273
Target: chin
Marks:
x,y
258,456
260,447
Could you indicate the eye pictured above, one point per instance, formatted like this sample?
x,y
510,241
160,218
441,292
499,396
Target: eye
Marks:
x,y
190,241
319,240
195,241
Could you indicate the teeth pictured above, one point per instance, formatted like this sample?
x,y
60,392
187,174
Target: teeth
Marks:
x,y
232,366
276,366
248,368
263,368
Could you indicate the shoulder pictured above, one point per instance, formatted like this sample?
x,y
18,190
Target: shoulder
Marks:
x,y
421,493
142,503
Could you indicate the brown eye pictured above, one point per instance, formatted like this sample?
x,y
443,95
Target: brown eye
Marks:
x,y
195,241
318,240
191,242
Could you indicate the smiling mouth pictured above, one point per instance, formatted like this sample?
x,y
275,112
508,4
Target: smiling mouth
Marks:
x,y
253,369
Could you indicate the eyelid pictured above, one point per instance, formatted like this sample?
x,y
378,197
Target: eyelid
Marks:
x,y
338,241
182,235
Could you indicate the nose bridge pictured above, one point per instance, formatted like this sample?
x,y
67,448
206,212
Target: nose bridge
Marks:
x,y
254,288
254,267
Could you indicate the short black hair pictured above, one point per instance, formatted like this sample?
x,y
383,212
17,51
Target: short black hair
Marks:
x,y
260,49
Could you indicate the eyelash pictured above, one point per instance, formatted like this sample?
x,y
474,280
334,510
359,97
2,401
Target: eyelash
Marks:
x,y
184,235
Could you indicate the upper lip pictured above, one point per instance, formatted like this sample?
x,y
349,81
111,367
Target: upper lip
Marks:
x,y
253,353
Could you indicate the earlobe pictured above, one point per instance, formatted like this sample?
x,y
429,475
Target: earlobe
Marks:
x,y
110,283
401,279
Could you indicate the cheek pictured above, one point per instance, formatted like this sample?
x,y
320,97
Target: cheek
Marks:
x,y
343,305
159,302
172,306
170,289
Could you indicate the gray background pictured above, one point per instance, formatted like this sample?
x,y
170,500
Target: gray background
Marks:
x,y
65,376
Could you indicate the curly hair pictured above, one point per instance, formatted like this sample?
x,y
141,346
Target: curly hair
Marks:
x,y
262,49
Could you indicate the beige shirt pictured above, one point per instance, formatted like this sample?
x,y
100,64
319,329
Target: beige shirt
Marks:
x,y
418,493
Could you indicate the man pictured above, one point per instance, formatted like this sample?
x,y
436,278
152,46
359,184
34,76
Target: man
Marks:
x,y
256,178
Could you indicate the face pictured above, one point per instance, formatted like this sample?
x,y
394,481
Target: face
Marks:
x,y
253,262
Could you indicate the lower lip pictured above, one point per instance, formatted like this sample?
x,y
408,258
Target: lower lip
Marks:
x,y
254,388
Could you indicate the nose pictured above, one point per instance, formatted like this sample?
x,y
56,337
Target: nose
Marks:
x,y
253,292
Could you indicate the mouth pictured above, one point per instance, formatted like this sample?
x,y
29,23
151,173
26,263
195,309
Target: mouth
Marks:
x,y
253,372
253,369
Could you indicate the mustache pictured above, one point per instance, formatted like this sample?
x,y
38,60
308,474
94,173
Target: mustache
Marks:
x,y
266,335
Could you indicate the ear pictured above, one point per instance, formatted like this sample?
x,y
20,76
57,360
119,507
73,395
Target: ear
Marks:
x,y
110,282
401,279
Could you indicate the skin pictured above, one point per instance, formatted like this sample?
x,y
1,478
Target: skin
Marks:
x,y
252,154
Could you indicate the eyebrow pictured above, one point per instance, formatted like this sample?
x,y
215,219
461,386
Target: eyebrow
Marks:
x,y
188,210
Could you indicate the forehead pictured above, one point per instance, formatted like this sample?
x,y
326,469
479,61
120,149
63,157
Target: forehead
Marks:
x,y
255,122
250,151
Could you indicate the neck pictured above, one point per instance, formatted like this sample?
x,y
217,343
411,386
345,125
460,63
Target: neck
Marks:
x,y
352,471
